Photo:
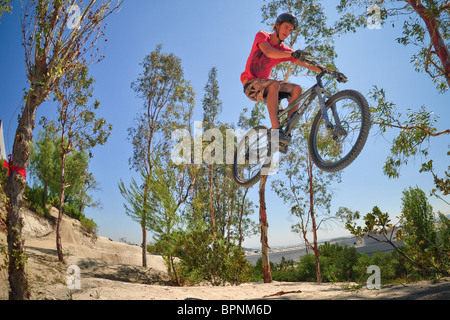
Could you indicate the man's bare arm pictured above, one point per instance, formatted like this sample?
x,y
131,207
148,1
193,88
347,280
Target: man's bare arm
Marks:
x,y
308,66
273,53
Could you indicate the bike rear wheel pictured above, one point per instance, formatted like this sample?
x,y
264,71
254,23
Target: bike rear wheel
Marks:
x,y
333,149
252,157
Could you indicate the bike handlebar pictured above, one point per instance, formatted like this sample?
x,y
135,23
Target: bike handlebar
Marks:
x,y
340,77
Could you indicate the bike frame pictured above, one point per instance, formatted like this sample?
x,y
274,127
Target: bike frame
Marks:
x,y
316,90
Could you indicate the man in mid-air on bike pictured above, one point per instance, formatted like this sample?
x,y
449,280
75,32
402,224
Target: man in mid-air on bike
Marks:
x,y
268,50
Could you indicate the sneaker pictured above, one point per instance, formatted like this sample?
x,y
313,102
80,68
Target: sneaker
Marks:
x,y
283,140
283,148
282,137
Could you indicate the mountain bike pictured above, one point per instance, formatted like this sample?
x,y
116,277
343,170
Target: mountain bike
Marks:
x,y
338,133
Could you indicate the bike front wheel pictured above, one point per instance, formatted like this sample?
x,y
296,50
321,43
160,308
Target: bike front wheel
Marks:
x,y
336,146
252,158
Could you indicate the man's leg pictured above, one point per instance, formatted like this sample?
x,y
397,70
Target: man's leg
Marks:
x,y
272,103
272,92
295,91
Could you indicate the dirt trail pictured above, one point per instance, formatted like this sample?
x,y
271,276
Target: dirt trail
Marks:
x,y
112,271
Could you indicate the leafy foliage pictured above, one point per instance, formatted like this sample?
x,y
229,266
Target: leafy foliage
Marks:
x,y
45,171
168,105
161,85
201,257
425,26
77,116
420,233
416,128
51,50
338,264
5,6
134,205
61,160
426,247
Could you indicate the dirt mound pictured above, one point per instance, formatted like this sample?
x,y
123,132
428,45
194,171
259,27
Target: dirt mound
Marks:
x,y
35,226
40,233
97,257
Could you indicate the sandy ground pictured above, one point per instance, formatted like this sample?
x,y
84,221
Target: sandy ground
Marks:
x,y
112,271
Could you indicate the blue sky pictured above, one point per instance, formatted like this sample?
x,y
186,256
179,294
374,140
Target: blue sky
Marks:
x,y
206,33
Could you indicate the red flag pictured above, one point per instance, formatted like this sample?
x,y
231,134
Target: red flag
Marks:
x,y
11,168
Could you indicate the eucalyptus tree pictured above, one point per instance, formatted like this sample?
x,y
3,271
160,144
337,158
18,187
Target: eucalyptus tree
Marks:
x,y
45,170
212,107
162,87
424,27
55,35
79,127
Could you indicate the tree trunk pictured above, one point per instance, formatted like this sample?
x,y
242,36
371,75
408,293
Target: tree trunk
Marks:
x,y
173,269
436,38
44,195
144,246
241,216
267,272
144,221
313,220
15,187
230,216
59,248
213,218
18,280
317,257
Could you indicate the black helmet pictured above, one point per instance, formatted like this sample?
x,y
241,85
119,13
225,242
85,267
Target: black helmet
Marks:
x,y
287,17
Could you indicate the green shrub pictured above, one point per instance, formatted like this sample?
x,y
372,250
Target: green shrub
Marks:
x,y
306,268
203,258
88,224
33,198
257,274
360,268
285,275
337,262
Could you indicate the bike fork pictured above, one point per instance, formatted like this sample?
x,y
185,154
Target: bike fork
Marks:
x,y
320,92
337,130
337,121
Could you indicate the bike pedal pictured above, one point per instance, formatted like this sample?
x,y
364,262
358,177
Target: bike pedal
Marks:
x,y
283,148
